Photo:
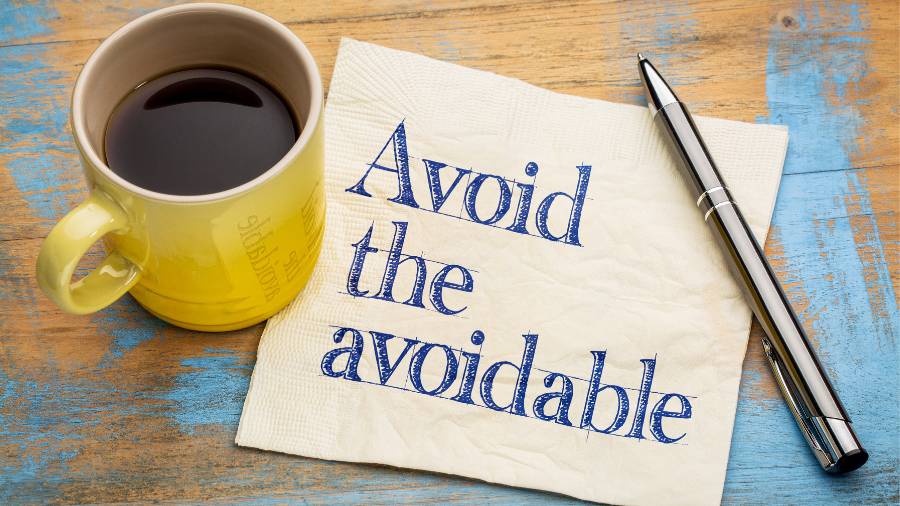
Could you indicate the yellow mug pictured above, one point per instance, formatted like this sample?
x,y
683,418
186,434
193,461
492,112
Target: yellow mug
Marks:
x,y
212,262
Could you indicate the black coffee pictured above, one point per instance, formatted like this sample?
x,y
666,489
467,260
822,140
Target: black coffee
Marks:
x,y
198,131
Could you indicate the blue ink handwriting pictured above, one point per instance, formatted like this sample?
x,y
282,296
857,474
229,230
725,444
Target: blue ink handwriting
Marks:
x,y
444,364
395,258
395,161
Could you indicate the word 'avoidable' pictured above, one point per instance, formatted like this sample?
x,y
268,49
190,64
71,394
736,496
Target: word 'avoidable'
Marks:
x,y
449,367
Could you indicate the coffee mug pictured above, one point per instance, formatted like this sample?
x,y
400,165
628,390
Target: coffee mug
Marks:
x,y
212,262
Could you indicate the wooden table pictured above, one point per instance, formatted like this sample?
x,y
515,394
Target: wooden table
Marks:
x,y
119,407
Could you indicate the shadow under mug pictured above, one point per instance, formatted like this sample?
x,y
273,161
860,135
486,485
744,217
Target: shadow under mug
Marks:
x,y
212,262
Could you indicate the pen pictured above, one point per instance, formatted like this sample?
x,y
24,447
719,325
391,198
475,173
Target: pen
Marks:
x,y
811,398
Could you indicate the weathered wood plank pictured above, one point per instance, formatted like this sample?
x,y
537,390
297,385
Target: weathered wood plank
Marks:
x,y
832,255
586,49
583,43
119,407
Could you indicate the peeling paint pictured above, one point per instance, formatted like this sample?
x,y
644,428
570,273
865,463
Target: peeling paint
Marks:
x,y
810,69
211,391
23,20
42,162
129,325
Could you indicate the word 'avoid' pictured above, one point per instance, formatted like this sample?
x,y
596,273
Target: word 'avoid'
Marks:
x,y
393,161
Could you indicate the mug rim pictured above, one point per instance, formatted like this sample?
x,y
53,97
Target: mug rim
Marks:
x,y
306,133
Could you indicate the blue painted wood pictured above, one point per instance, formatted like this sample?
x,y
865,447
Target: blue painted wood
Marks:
x,y
849,299
118,406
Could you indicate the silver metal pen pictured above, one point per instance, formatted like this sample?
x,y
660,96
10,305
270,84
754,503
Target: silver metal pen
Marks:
x,y
811,398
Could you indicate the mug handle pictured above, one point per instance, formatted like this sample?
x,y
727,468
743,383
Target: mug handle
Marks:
x,y
69,241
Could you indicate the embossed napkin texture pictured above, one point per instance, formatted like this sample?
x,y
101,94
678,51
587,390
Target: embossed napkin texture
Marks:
x,y
515,286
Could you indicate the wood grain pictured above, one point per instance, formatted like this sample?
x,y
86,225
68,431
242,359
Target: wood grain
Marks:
x,y
119,407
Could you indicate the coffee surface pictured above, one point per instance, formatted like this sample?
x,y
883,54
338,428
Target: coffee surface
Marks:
x,y
198,131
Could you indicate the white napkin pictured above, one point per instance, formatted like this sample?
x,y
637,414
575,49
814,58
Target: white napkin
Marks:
x,y
621,285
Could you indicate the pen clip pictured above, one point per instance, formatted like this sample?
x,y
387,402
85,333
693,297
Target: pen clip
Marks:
x,y
809,431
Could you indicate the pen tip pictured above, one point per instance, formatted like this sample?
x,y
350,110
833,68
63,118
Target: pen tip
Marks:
x,y
641,57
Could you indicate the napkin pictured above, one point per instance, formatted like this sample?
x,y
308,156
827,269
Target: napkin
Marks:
x,y
514,286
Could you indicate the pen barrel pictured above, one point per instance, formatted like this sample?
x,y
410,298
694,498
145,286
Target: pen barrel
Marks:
x,y
823,420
